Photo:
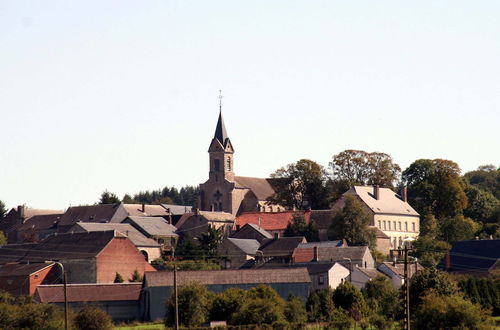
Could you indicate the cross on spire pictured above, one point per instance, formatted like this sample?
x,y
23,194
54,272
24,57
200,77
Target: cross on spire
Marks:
x,y
220,99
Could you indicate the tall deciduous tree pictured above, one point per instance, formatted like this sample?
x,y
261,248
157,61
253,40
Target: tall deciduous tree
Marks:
x,y
195,302
435,186
458,228
482,205
352,224
302,186
486,178
354,167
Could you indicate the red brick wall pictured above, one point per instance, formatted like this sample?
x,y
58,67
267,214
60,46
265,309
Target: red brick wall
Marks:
x,y
38,278
120,256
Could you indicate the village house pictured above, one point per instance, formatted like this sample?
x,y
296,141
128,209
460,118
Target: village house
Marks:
x,y
20,279
395,271
474,257
389,212
278,250
156,228
149,248
196,223
348,256
89,257
251,231
360,276
274,223
237,251
36,228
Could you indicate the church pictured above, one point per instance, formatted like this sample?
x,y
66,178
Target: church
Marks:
x,y
225,192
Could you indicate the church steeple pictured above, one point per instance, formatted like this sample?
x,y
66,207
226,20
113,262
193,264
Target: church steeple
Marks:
x,y
220,130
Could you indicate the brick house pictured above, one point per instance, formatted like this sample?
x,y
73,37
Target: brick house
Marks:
x,y
23,279
90,257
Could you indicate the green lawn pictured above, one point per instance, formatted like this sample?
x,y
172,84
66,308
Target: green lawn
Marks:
x,y
144,326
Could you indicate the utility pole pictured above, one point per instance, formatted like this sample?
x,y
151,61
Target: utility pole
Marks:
x,y
65,299
176,301
407,290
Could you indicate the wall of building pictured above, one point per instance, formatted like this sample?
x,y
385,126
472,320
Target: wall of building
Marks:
x,y
152,252
336,275
410,226
80,270
120,256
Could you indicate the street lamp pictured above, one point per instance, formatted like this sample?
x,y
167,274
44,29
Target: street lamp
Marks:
x,y
65,292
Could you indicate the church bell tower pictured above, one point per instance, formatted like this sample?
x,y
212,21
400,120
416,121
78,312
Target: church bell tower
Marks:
x,y
221,154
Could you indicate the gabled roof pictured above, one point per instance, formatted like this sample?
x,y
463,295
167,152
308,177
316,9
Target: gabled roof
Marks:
x,y
31,212
369,272
323,244
380,234
209,215
268,220
388,203
88,292
17,269
41,222
398,269
354,253
178,209
262,188
149,210
282,246
62,246
472,256
126,229
154,226
89,213
237,276
249,246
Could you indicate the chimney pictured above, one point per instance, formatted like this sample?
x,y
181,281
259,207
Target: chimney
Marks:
x,y
315,254
404,194
20,210
143,208
376,191
394,261
195,211
447,261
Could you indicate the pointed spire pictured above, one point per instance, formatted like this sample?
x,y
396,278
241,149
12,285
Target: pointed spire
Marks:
x,y
220,130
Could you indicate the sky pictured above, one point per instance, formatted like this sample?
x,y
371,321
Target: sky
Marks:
x,y
122,95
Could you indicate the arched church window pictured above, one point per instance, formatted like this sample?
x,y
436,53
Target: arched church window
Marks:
x,y
216,165
229,163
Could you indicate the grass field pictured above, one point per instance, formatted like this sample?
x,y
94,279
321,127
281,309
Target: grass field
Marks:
x,y
144,326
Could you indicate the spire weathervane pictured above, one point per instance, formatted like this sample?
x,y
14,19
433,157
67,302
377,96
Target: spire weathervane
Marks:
x,y
220,100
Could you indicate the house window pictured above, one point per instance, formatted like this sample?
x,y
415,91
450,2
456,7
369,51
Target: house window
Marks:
x,y
216,165
384,225
36,276
389,224
406,226
394,223
413,226
380,224
399,224
321,280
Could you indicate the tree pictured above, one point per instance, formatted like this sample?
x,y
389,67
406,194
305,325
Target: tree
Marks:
x,y
449,312
349,298
301,185
118,278
3,210
429,250
435,187
108,198
458,228
382,297
484,291
429,226
226,304
486,178
136,277
263,306
127,199
482,205
295,311
195,302
211,240
352,224
299,227
430,279
357,167
93,318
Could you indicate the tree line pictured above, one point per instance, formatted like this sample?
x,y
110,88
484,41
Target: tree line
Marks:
x,y
187,195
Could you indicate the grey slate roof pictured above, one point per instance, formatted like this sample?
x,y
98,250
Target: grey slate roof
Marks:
x,y
178,209
339,253
16,269
154,226
249,246
337,243
282,246
262,188
238,276
133,234
369,272
472,256
149,210
92,213
220,130
260,230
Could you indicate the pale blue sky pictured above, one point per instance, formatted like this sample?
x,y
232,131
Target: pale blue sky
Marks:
x,y
122,95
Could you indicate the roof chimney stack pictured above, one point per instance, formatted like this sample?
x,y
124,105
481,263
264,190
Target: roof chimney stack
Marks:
x,y
376,191
143,208
315,254
20,210
404,194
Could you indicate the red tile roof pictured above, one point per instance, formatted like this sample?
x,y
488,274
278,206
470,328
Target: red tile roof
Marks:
x,y
268,220
88,292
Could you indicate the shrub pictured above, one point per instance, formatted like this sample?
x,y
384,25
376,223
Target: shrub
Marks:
x,y
118,278
92,318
